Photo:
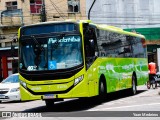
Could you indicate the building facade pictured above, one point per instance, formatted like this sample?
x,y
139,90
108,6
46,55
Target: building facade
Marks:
x,y
16,13
125,13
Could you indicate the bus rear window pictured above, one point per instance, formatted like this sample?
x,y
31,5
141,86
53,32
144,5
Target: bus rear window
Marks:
x,y
48,28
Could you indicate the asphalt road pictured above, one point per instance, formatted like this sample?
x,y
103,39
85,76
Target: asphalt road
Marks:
x,y
144,105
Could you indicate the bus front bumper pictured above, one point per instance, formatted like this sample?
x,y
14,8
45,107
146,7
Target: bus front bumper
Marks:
x,y
76,92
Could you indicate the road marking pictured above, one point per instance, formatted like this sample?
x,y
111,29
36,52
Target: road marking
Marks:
x,y
102,109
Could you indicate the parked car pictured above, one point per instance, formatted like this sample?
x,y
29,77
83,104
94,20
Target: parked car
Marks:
x,y
9,88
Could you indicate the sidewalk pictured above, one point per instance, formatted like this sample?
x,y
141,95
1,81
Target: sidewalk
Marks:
x,y
151,91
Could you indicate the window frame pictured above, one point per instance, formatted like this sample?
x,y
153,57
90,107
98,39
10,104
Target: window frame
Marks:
x,y
10,5
36,6
70,4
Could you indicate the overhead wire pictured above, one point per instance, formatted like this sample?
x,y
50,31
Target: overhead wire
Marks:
x,y
56,8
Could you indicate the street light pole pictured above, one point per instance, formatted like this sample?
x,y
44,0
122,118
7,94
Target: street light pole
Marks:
x,y
90,9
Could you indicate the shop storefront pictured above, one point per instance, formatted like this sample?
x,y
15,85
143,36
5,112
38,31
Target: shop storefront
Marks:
x,y
9,62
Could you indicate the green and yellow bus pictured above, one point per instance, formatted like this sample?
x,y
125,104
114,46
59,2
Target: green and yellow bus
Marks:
x,y
105,59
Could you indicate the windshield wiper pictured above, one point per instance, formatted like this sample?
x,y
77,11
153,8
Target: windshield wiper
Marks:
x,y
37,50
37,43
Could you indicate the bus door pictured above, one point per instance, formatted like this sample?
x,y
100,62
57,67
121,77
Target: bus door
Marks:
x,y
92,80
90,48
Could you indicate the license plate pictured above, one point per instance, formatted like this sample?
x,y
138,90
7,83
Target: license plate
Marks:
x,y
2,96
48,96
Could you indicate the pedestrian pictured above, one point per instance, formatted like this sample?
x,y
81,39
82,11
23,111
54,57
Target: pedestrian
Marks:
x,y
152,73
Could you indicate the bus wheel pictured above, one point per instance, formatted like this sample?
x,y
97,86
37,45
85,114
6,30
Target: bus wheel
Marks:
x,y
134,87
102,91
49,103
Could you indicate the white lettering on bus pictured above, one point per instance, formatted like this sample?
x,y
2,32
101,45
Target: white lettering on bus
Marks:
x,y
61,86
109,67
102,67
127,67
36,88
71,39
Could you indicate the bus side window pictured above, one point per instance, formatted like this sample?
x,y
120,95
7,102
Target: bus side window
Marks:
x,y
139,48
125,51
102,53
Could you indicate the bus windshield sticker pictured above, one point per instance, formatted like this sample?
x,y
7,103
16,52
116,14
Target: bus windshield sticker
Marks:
x,y
31,68
52,65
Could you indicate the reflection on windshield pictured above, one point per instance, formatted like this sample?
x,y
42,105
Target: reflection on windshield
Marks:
x,y
29,55
57,53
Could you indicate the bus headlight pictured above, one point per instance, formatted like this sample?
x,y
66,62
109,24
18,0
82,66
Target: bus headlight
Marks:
x,y
77,80
23,84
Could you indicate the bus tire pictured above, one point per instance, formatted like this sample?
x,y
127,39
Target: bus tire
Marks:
x,y
49,103
134,87
102,91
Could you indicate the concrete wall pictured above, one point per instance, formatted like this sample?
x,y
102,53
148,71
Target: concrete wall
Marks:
x,y
126,13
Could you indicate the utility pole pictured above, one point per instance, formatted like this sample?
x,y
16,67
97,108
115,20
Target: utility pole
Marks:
x,y
43,12
22,21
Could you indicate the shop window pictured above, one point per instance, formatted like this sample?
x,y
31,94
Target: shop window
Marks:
x,y
11,5
73,6
35,6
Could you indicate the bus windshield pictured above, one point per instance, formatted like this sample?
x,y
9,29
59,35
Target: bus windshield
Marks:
x,y
50,52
